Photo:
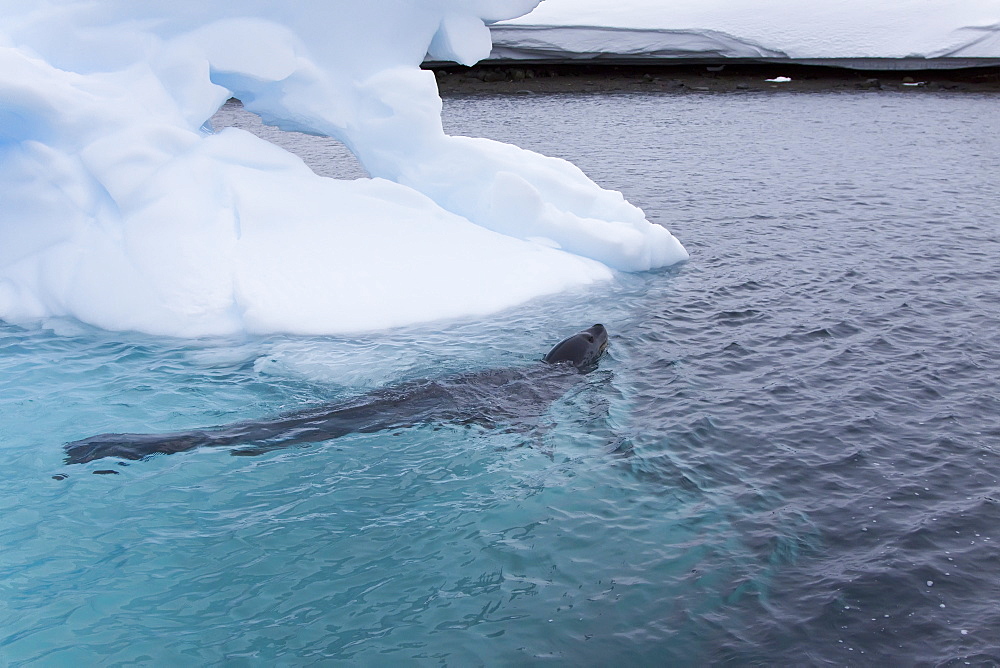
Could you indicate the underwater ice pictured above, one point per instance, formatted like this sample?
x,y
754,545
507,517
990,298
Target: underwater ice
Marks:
x,y
905,31
119,207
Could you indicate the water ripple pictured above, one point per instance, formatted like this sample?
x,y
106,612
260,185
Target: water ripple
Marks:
x,y
788,457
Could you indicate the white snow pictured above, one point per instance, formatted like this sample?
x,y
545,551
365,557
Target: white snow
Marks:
x,y
119,208
847,31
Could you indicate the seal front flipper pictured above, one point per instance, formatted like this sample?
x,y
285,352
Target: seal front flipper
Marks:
x,y
257,450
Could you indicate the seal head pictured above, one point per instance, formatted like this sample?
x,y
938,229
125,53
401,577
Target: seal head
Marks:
x,y
582,350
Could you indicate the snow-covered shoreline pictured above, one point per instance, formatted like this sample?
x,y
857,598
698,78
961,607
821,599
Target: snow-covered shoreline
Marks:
x,y
892,35
539,44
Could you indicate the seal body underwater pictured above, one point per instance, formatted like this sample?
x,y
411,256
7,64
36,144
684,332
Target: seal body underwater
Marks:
x,y
486,398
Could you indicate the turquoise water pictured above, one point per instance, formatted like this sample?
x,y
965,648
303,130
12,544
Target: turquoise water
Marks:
x,y
436,542
789,454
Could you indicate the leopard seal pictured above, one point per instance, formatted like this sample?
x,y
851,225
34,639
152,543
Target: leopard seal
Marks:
x,y
495,396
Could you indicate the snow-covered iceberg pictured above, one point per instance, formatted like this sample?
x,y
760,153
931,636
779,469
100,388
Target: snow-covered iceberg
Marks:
x,y
853,33
120,207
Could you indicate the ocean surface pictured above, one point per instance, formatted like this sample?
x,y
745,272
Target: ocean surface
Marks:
x,y
789,456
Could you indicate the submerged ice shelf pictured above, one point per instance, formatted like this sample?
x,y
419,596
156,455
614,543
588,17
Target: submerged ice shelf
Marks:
x,y
123,209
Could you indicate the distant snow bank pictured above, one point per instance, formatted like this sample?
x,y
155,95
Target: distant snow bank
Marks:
x,y
893,34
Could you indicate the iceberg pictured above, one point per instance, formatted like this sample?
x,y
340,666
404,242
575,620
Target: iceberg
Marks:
x,y
121,207
898,34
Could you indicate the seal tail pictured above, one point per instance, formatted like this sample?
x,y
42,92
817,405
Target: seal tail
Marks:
x,y
134,446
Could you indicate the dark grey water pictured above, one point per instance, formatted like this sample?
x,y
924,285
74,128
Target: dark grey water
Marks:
x,y
835,349
828,357
791,454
